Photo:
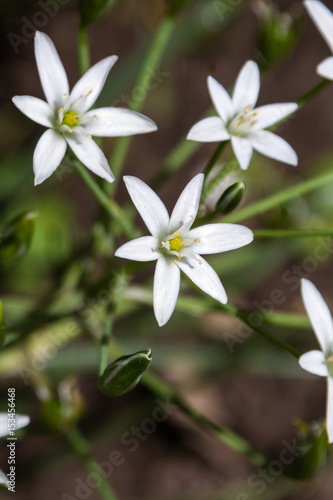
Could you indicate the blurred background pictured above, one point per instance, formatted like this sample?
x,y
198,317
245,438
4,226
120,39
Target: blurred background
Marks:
x,y
232,376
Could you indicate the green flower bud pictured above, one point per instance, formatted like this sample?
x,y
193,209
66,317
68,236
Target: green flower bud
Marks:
x,y
311,453
231,198
121,376
16,239
92,10
278,32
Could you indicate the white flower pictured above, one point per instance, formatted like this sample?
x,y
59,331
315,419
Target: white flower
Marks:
x,y
67,115
242,123
323,19
21,421
320,362
177,247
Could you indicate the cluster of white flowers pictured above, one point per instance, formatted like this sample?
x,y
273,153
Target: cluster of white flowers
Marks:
x,y
173,244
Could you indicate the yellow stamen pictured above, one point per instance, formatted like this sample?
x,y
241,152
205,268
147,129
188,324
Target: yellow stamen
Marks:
x,y
90,137
96,117
197,240
90,91
60,110
175,243
70,119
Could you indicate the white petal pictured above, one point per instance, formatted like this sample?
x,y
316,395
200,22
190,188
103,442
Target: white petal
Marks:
x,y
149,205
116,122
90,85
20,421
221,99
216,238
142,249
272,113
166,289
329,409
37,110
187,204
247,86
87,151
314,362
49,152
204,276
323,19
325,68
319,315
211,129
273,146
51,71
243,150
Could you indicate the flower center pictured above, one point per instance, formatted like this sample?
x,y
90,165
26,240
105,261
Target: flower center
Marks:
x,y
70,119
175,244
243,122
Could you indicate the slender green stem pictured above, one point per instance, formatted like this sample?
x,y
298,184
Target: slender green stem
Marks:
x,y
223,434
103,360
110,205
246,317
212,162
143,83
313,92
83,49
81,449
290,233
280,197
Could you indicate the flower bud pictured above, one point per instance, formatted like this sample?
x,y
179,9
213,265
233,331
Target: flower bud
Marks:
x,y
92,10
231,198
311,452
16,239
121,376
278,32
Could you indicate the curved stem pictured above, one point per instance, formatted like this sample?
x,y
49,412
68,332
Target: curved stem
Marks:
x,y
81,449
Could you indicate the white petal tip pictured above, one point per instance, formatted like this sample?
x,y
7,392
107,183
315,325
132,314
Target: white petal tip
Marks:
x,y
37,181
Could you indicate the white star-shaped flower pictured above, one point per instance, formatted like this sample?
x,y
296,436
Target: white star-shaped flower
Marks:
x,y
20,421
323,19
242,123
176,246
67,117
320,362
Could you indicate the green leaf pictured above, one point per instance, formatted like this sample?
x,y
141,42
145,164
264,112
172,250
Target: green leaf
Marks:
x,y
231,198
92,10
16,239
311,452
123,375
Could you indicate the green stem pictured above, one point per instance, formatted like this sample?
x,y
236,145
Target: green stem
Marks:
x,y
290,233
103,361
313,92
81,449
212,162
223,434
280,197
110,205
155,53
83,49
245,317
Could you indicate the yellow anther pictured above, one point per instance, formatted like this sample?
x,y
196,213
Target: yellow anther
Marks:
x,y
175,244
89,136
66,95
96,117
197,240
70,119
200,262
181,256
176,233
238,135
248,108
60,110
90,91
69,130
